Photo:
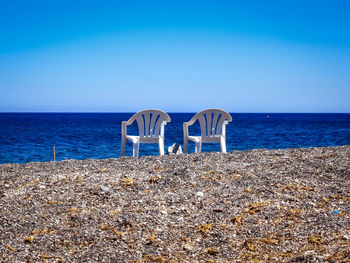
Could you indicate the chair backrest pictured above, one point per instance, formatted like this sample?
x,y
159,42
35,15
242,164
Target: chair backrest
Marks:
x,y
212,122
150,122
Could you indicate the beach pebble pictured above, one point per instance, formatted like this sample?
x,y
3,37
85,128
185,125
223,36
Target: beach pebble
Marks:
x,y
199,194
218,209
105,188
188,247
163,210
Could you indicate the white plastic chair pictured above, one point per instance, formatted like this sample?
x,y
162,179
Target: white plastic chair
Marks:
x,y
151,130
213,129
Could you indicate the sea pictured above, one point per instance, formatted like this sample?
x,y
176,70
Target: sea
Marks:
x,y
38,137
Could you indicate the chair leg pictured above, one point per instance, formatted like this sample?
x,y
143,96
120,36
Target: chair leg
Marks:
x,y
185,145
135,150
198,147
161,147
223,144
122,148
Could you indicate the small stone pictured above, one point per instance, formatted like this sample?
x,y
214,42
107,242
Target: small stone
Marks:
x,y
199,194
212,251
188,247
105,188
29,239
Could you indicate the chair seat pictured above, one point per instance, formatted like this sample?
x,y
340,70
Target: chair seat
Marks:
x,y
210,139
138,139
195,138
133,139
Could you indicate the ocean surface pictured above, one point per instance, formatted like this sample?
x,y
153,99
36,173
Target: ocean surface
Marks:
x,y
27,137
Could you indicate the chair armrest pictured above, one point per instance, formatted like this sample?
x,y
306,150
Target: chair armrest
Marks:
x,y
124,129
224,128
129,121
162,128
185,129
191,121
125,124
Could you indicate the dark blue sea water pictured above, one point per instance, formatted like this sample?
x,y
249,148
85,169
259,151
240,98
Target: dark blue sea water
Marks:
x,y
26,137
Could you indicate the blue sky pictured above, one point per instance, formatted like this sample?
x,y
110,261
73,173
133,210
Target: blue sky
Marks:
x,y
112,56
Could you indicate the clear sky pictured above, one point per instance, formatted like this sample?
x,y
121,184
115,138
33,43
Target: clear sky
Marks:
x,y
179,56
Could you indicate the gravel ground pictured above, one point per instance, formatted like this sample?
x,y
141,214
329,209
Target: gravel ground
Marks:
x,y
261,205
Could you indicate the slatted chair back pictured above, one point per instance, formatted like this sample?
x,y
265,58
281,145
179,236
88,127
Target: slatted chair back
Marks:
x,y
211,122
150,122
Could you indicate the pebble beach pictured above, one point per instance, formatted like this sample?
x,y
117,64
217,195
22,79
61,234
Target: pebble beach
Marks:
x,y
290,205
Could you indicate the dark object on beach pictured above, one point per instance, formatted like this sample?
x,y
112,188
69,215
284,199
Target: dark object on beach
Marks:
x,y
174,149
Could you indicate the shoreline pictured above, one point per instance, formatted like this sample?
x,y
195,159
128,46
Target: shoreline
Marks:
x,y
147,156
287,205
